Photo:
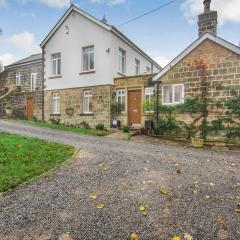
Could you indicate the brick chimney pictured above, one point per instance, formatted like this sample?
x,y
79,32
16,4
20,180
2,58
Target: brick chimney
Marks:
x,y
207,21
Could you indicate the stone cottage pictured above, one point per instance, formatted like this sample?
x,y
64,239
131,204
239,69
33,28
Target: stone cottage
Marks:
x,y
182,78
21,88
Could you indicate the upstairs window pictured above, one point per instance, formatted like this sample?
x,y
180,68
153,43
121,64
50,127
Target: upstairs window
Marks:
x,y
56,103
33,82
122,61
173,94
137,67
18,79
148,69
87,102
88,58
56,64
121,99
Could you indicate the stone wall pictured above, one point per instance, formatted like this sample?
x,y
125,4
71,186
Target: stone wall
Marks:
x,y
18,96
223,75
73,99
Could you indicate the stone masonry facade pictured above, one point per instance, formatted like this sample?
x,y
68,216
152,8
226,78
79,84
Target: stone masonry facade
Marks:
x,y
223,72
72,99
133,82
17,95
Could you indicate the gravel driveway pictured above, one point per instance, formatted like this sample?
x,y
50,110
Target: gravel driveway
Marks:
x,y
200,190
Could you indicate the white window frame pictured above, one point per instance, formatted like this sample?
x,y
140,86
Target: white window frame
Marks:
x,y
137,66
86,95
33,84
18,79
173,94
149,91
56,103
122,56
89,57
121,93
54,62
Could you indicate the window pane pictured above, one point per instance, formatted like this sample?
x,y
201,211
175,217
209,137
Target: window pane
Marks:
x,y
59,66
54,68
85,62
167,94
91,61
178,93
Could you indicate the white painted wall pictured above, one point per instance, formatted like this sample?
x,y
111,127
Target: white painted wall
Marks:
x,y
82,33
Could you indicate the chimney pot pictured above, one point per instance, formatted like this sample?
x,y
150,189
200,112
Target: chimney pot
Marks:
x,y
207,5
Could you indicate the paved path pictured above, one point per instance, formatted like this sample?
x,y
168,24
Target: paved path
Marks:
x,y
203,190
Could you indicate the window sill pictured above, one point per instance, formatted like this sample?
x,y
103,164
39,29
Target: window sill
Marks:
x,y
57,76
86,114
55,115
87,72
121,74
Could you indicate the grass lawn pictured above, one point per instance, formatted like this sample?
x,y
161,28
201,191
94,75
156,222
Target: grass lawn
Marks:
x,y
23,158
66,128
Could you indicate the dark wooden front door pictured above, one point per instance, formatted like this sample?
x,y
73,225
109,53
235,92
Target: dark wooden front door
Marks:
x,y
134,107
29,108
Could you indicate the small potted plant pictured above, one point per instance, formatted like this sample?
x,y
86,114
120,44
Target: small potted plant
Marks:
x,y
197,140
8,109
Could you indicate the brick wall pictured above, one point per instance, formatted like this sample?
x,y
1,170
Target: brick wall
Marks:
x,y
73,98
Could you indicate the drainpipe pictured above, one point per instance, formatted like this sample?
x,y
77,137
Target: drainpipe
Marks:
x,y
43,84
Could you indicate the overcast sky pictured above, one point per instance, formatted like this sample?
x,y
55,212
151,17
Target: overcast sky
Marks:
x,y
162,35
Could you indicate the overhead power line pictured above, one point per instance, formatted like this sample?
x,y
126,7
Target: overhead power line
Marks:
x,y
147,13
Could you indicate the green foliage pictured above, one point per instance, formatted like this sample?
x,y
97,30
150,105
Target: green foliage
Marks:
x,y
192,106
233,106
8,105
216,125
125,129
116,109
64,128
22,158
233,132
168,126
100,127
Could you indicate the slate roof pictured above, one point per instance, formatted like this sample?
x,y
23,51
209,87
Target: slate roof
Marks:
x,y
31,59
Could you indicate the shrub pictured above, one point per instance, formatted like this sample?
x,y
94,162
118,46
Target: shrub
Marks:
x,y
126,129
84,125
168,126
100,127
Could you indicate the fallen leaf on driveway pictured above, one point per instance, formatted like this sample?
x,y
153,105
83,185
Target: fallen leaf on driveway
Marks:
x,y
100,206
206,197
103,167
219,220
93,196
134,236
175,238
164,191
187,236
237,208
